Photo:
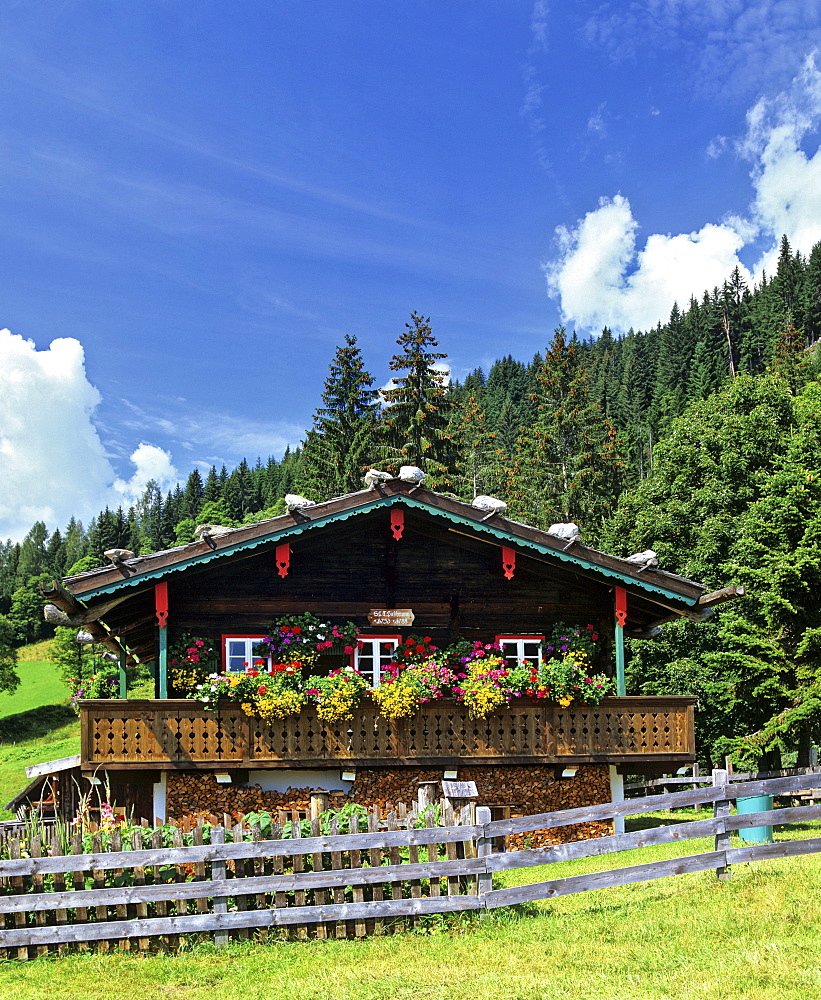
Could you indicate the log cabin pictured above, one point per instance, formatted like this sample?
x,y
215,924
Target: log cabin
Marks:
x,y
393,559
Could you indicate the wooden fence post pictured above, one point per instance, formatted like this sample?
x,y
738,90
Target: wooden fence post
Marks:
x,y
218,872
484,846
721,809
319,804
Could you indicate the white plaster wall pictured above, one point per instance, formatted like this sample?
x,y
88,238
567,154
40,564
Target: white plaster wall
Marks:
x,y
281,781
159,798
617,795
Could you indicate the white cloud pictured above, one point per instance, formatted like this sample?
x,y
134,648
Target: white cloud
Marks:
x,y
599,276
787,181
151,463
52,462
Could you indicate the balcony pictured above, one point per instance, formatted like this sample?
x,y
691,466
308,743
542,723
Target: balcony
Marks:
x,y
176,734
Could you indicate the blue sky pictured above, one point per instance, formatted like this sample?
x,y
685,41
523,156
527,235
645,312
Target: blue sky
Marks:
x,y
199,200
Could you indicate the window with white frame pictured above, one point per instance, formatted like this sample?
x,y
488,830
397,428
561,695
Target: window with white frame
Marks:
x,y
238,653
374,653
516,648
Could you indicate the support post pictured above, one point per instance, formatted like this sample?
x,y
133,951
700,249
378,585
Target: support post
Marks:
x,y
161,611
484,846
318,804
621,619
721,809
123,677
162,661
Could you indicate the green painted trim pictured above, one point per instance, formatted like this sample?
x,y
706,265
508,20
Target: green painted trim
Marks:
x,y
162,662
123,677
295,531
621,689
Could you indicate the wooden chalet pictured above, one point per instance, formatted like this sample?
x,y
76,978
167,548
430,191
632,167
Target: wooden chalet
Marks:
x,y
462,573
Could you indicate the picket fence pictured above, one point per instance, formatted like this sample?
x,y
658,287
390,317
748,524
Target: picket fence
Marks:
x,y
349,884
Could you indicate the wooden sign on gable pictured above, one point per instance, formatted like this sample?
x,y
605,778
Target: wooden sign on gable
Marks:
x,y
392,618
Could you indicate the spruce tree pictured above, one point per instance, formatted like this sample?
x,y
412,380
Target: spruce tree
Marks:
x,y
568,466
479,467
414,430
339,446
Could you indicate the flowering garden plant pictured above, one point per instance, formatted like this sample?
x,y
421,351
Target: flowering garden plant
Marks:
x,y
305,637
415,649
489,683
104,683
338,694
191,660
570,679
269,693
571,639
473,673
404,688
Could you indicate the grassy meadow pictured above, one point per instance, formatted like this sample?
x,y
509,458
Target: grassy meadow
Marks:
x,y
36,721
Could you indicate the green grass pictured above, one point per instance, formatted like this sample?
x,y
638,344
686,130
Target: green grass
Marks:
x,y
757,935
36,721
40,684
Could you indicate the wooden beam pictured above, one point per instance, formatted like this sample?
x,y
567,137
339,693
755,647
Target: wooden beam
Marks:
x,y
61,597
720,596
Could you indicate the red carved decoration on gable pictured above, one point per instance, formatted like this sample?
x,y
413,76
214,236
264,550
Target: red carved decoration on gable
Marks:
x,y
283,558
397,522
508,562
161,603
621,606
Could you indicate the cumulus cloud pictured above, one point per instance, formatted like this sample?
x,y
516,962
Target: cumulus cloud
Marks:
x,y
787,181
52,462
601,279
151,463
600,276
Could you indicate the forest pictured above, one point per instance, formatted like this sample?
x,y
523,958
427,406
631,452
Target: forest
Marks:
x,y
700,439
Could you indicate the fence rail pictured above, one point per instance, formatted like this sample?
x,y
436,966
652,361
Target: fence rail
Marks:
x,y
343,884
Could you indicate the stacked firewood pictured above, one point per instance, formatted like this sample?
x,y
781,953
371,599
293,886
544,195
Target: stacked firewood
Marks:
x,y
197,794
508,790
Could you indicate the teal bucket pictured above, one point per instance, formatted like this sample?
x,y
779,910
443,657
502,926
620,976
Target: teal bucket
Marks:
x,y
754,804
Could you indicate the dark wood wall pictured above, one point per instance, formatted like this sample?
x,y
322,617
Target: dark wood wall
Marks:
x,y
454,584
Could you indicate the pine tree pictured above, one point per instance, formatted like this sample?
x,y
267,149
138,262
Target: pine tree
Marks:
x,y
811,296
211,489
567,467
192,496
479,467
339,445
414,430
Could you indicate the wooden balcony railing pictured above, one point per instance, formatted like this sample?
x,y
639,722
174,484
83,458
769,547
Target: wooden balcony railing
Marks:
x,y
179,734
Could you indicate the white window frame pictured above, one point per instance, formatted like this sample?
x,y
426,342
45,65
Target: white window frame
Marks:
x,y
248,657
379,659
519,640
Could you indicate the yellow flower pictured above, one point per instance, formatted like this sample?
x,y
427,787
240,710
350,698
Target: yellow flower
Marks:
x,y
396,701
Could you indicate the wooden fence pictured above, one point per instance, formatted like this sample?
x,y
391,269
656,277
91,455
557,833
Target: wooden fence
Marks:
x,y
342,884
